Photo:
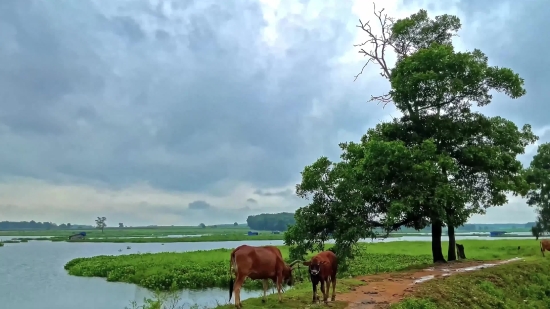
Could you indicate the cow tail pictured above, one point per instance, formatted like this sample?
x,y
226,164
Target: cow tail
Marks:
x,y
231,281
541,248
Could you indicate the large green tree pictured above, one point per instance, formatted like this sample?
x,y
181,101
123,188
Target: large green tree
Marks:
x,y
538,176
439,163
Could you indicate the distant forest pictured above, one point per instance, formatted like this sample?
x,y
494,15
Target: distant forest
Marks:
x,y
33,225
261,222
271,222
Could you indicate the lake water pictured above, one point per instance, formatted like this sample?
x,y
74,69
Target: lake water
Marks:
x,y
32,274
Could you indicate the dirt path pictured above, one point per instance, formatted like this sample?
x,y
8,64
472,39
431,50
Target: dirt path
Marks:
x,y
382,290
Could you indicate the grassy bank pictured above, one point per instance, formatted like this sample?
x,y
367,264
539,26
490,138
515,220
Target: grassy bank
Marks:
x,y
516,285
202,269
206,238
389,257
133,232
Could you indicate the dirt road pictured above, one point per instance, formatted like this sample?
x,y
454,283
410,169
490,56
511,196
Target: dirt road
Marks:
x,y
382,290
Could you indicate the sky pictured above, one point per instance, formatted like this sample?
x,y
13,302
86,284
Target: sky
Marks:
x,y
181,112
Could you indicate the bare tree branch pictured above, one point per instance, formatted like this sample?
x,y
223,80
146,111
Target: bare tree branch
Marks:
x,y
379,43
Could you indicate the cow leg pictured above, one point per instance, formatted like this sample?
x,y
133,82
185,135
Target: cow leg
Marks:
x,y
265,290
314,284
327,288
542,250
323,281
280,285
333,279
237,290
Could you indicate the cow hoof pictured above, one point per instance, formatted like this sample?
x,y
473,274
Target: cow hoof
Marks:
x,y
333,298
263,301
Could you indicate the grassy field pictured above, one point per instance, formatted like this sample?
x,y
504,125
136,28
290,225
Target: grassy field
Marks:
x,y
210,268
202,269
516,285
206,238
133,232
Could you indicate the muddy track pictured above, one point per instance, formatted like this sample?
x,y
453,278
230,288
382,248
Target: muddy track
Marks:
x,y
382,290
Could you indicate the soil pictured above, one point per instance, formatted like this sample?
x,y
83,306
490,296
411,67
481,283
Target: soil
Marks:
x,y
382,290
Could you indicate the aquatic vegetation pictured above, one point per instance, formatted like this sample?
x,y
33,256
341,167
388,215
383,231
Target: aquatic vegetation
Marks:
x,y
1,244
203,269
205,238
11,241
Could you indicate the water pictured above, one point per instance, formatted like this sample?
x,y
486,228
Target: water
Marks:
x,y
32,274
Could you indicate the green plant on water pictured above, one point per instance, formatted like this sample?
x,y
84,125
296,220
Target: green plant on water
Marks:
x,y
206,269
1,244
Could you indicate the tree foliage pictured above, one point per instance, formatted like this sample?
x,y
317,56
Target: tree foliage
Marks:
x,y
439,163
270,222
538,176
32,225
100,223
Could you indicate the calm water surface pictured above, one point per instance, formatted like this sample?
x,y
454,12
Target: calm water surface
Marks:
x,y
32,274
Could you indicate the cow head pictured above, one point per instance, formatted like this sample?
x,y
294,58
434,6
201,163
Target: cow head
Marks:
x,y
314,266
288,279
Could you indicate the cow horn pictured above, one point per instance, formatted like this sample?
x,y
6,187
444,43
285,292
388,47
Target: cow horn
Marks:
x,y
291,265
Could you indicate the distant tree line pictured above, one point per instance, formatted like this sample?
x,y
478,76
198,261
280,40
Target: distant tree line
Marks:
x,y
271,222
33,225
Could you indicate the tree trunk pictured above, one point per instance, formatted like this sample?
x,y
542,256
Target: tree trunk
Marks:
x,y
451,253
437,251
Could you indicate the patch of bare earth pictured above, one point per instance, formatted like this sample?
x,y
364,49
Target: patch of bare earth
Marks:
x,y
380,291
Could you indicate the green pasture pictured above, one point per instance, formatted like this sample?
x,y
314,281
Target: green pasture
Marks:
x,y
517,285
203,269
133,232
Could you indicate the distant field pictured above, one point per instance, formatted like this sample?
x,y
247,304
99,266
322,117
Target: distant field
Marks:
x,y
134,232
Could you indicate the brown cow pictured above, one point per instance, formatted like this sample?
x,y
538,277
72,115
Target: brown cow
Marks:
x,y
544,245
323,268
258,263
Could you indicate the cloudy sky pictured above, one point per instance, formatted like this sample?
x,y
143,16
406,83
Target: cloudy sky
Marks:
x,y
181,112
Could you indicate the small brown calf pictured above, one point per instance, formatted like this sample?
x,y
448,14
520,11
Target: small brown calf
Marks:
x,y
323,268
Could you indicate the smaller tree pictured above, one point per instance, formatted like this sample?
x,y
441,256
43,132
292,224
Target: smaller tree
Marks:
x,y
235,224
202,225
100,223
537,230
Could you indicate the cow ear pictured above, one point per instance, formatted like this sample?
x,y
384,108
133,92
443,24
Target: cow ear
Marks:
x,y
306,263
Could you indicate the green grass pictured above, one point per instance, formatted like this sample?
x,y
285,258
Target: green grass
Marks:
x,y
156,235
133,232
381,257
511,286
202,269
206,238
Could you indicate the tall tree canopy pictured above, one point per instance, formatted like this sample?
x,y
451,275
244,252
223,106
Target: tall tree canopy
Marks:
x,y
538,175
437,164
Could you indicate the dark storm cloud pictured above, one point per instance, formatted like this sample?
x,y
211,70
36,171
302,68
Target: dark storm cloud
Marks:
x,y
178,96
199,205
